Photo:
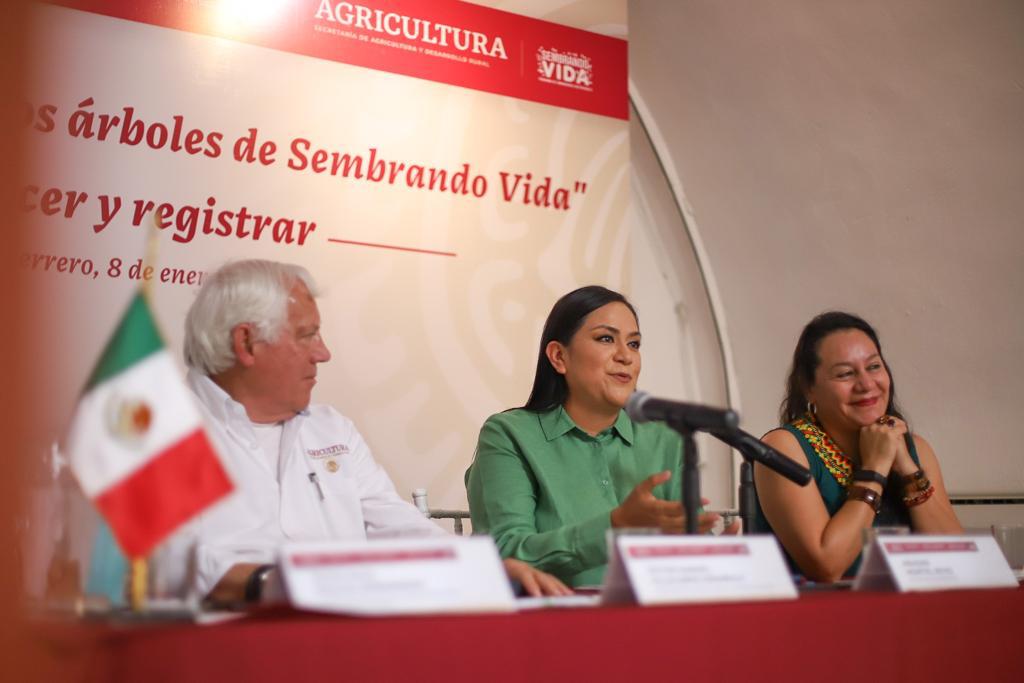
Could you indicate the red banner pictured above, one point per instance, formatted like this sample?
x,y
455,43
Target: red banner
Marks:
x,y
445,41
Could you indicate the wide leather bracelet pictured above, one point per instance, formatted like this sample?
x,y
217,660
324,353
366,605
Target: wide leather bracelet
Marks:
x,y
254,584
870,475
866,495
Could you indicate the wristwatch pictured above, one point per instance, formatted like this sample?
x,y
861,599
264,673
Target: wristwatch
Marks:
x,y
870,475
254,584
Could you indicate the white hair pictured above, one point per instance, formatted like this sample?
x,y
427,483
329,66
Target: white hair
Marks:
x,y
252,291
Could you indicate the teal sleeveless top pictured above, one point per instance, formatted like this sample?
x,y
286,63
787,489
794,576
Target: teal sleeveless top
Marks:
x,y
830,472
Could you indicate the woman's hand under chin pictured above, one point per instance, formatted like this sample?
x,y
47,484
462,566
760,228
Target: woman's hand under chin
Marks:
x,y
880,443
903,464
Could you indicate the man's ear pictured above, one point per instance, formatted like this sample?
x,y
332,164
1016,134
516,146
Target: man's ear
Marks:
x,y
242,341
556,353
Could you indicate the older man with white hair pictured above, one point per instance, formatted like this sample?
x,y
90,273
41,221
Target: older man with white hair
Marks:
x,y
302,471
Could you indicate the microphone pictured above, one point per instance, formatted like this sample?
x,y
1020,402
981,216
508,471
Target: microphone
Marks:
x,y
753,448
642,407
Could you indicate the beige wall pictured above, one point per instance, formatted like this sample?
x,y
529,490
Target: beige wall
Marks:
x,y
867,156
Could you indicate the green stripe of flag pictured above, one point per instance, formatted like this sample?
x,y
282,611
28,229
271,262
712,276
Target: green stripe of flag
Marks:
x,y
135,338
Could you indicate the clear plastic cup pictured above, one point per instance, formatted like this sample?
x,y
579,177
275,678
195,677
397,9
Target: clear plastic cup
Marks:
x,y
1010,538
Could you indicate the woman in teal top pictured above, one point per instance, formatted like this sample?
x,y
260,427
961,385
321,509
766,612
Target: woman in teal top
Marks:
x,y
841,420
550,478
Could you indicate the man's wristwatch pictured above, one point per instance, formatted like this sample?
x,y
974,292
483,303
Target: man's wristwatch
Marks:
x,y
255,582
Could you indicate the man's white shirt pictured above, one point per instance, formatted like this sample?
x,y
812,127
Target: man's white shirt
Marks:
x,y
326,486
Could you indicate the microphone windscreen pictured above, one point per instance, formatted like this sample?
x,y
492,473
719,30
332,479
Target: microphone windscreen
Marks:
x,y
635,406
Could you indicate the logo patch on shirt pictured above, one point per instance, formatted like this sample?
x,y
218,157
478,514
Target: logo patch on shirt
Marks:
x,y
335,451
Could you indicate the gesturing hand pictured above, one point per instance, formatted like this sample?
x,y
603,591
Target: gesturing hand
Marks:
x,y
642,509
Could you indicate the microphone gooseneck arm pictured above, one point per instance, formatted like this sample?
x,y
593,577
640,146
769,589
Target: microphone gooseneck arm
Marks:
x,y
753,449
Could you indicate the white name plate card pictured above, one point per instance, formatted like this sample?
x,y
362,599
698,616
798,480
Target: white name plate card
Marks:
x,y
397,576
929,563
656,570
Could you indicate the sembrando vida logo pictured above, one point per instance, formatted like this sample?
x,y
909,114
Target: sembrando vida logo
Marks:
x,y
569,69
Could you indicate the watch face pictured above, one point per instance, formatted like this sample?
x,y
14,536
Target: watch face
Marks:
x,y
256,581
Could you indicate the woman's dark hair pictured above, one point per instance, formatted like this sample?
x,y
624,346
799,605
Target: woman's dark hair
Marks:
x,y
806,361
565,318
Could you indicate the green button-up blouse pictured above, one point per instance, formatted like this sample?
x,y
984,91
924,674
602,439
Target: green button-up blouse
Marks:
x,y
545,489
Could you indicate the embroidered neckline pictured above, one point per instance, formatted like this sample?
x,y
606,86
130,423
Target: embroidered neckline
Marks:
x,y
840,466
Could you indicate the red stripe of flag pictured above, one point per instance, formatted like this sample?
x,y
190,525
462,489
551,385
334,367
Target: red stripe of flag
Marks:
x,y
147,506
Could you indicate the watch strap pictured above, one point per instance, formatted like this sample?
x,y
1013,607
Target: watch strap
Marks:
x,y
870,475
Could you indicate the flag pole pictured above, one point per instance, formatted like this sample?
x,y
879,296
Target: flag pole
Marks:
x,y
139,579
138,589
149,258
136,370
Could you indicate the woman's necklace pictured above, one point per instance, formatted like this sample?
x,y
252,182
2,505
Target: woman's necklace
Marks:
x,y
827,449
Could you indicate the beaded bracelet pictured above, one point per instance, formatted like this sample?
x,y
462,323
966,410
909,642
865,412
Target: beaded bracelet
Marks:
x,y
917,500
919,485
912,478
916,481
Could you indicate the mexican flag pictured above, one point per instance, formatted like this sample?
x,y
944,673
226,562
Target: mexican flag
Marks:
x,y
137,444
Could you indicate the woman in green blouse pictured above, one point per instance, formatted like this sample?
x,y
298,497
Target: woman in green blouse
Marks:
x,y
550,478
